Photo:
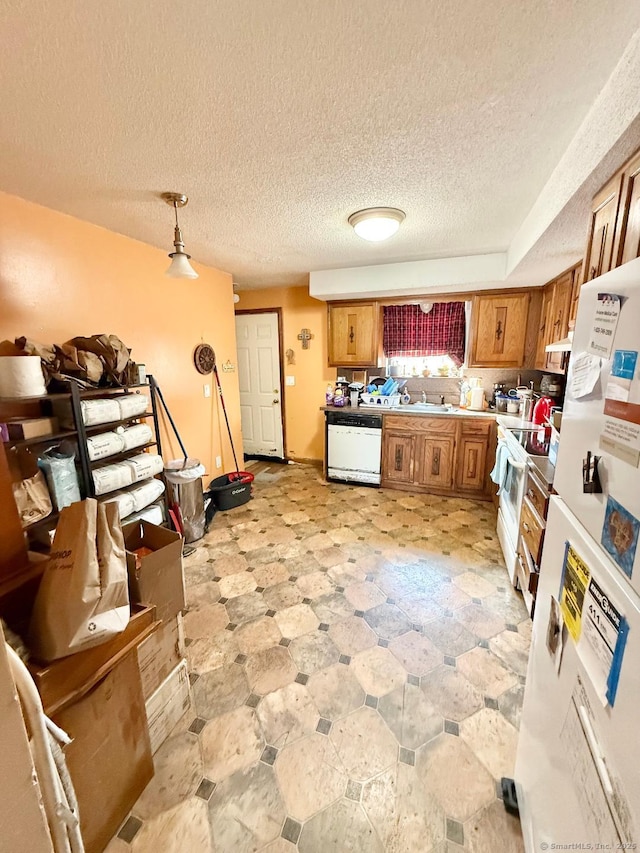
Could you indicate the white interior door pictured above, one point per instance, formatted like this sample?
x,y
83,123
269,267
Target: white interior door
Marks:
x,y
259,378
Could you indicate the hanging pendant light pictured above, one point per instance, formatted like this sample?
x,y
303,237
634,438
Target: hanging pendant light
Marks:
x,y
180,266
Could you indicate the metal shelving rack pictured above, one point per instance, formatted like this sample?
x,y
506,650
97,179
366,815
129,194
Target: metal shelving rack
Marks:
x,y
82,432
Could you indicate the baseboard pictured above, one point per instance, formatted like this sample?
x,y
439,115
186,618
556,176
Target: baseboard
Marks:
x,y
317,463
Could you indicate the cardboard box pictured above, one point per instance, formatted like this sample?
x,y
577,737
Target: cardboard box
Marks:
x,y
167,705
160,654
160,579
20,428
67,679
110,758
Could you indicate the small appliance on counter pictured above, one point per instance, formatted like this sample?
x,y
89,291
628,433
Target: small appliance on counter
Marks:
x,y
542,410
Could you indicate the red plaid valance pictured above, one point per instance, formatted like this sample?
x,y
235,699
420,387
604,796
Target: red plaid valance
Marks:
x,y
408,331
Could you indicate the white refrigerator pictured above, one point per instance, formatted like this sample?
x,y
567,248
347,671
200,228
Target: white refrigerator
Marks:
x,y
578,762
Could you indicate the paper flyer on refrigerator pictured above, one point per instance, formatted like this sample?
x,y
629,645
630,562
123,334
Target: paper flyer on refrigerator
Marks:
x,y
621,431
595,623
605,323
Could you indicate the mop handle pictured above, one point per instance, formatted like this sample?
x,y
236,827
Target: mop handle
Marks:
x,y
224,409
171,421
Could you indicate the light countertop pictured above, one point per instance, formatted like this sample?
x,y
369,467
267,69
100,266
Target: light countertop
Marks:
x,y
454,412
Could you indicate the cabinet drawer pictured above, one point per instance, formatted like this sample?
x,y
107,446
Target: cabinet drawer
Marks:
x,y
538,495
476,426
415,423
527,580
532,530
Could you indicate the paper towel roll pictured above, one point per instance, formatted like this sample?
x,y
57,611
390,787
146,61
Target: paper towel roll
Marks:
x,y
476,403
21,376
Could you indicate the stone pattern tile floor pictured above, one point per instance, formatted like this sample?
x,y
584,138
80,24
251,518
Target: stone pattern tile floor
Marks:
x,y
357,660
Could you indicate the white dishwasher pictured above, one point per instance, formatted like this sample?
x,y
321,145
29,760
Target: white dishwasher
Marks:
x,y
354,445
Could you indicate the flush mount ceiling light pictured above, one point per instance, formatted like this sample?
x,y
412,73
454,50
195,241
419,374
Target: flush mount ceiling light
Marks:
x,y
180,266
376,223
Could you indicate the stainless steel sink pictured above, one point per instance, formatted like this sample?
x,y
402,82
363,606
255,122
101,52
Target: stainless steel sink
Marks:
x,y
436,408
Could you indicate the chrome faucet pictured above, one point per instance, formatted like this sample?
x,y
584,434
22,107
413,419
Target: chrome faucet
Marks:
x,y
424,397
442,399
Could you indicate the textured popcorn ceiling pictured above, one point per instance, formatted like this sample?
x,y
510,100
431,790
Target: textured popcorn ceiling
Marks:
x,y
281,117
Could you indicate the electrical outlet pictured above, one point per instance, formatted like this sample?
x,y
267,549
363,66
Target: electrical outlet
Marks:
x,y
218,461
206,390
290,380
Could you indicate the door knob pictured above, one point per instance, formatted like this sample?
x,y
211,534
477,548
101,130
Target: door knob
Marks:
x,y
276,401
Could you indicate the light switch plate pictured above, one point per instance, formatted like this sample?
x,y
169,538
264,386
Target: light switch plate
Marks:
x,y
206,389
290,380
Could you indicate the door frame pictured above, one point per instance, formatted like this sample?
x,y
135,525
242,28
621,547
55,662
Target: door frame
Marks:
x,y
278,312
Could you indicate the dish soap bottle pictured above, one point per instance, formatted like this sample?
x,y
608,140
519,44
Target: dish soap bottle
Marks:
x,y
405,399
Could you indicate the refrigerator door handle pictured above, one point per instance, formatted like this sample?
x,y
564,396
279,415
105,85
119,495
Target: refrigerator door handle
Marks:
x,y
601,767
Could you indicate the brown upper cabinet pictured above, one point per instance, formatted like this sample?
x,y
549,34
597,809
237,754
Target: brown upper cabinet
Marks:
x,y
544,327
557,317
354,334
562,290
614,229
598,257
627,239
498,324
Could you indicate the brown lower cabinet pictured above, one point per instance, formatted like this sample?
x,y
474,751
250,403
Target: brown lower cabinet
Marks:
x,y
532,526
444,456
399,453
435,469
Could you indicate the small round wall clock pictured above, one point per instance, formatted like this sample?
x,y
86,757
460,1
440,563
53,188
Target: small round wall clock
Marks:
x,y
204,358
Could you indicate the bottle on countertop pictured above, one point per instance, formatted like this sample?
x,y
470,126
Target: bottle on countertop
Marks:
x,y
465,388
329,395
339,398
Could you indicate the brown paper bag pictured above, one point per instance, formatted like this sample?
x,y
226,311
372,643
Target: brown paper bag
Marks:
x,y
83,598
32,499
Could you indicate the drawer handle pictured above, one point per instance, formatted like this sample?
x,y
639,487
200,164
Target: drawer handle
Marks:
x,y
352,334
526,527
435,462
531,494
399,457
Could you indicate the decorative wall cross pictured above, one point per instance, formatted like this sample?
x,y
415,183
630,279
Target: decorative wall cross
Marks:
x,y
305,336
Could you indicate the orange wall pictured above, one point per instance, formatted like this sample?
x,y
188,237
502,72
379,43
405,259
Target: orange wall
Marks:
x,y
61,277
304,424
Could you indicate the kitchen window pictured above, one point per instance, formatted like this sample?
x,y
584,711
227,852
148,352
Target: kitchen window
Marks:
x,y
425,331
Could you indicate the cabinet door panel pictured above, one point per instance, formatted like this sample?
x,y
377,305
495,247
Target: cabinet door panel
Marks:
x,y
399,455
628,235
353,335
472,457
599,255
499,330
436,468
543,330
559,318
575,295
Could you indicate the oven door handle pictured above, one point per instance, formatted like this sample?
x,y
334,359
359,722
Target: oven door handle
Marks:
x,y
519,466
